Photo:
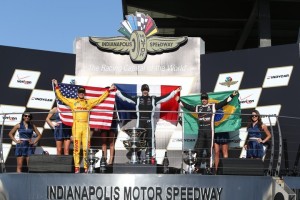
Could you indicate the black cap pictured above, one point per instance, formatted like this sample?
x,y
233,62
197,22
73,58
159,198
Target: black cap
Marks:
x,y
81,90
204,95
145,87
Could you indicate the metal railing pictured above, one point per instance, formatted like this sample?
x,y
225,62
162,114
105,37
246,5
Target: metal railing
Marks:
x,y
274,161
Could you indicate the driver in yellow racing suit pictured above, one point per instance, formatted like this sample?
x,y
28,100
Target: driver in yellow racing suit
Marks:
x,y
80,129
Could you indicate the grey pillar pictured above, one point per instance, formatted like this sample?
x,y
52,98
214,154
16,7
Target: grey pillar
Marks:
x,y
264,23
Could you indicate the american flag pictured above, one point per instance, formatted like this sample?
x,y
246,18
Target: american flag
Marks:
x,y
100,120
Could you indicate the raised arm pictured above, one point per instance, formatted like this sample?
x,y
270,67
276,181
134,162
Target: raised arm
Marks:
x,y
166,97
185,105
188,107
59,95
126,97
226,101
94,101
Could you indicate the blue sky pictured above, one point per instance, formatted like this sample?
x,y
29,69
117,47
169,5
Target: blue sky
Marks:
x,y
53,25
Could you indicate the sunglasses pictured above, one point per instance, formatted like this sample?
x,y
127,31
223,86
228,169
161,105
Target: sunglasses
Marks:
x,y
27,116
254,115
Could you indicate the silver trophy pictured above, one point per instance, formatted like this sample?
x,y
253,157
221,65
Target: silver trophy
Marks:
x,y
91,160
135,143
189,159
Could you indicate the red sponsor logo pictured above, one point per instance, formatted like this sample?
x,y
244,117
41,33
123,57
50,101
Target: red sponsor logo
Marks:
x,y
81,108
246,100
10,118
21,80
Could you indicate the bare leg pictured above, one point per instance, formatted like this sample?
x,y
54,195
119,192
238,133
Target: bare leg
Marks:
x,y
217,155
19,163
27,160
67,146
104,146
58,147
111,147
225,150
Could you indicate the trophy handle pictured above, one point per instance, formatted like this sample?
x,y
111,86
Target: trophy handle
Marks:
x,y
126,144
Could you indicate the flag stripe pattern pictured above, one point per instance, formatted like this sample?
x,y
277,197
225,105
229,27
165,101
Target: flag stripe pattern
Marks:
x,y
100,116
155,90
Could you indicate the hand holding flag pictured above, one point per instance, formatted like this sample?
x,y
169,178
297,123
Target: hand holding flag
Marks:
x,y
100,116
157,90
227,119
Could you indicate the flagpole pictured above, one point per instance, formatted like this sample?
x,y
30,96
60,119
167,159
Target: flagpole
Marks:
x,y
182,126
53,89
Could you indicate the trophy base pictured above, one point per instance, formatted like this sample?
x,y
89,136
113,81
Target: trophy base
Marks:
x,y
127,168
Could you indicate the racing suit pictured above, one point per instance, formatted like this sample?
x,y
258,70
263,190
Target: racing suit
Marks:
x,y
80,128
205,140
146,119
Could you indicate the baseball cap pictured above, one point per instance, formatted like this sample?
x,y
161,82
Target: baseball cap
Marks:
x,y
81,90
204,95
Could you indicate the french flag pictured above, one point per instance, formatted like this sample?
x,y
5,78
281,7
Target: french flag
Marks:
x,y
167,111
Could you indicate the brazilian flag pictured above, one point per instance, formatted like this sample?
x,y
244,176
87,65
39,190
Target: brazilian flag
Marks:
x,y
227,119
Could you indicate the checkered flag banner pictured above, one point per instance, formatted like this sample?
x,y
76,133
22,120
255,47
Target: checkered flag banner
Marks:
x,y
141,21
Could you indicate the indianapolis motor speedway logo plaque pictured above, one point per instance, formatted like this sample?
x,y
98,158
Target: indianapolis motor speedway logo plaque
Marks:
x,y
228,82
139,40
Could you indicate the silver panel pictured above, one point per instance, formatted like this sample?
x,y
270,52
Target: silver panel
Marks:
x,y
133,186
